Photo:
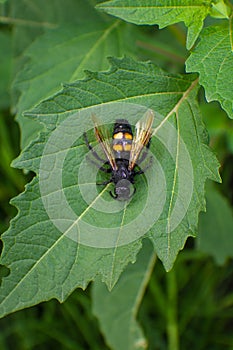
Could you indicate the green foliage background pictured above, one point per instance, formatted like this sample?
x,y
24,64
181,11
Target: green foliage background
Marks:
x,y
46,44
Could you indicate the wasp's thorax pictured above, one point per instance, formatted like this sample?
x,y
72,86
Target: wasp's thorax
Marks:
x,y
122,172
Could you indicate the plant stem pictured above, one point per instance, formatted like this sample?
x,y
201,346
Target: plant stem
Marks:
x,y
172,322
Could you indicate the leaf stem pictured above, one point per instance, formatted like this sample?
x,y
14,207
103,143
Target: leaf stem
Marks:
x,y
23,22
144,284
172,322
155,48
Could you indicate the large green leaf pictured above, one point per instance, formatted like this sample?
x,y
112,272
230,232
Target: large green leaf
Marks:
x,y
163,13
117,310
66,231
213,59
215,227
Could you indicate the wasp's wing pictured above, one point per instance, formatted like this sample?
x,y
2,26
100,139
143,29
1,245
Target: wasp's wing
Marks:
x,y
142,137
103,137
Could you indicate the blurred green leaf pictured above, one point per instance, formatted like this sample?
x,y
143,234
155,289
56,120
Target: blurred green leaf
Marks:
x,y
230,138
8,153
63,55
220,129
29,20
12,180
6,58
163,13
212,58
216,227
69,326
117,310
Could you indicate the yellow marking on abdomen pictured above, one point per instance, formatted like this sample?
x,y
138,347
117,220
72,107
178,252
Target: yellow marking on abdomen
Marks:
x,y
119,135
127,147
118,147
128,136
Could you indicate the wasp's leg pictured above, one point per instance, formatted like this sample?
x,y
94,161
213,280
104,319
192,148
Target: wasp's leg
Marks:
x,y
139,172
142,171
92,150
104,183
105,170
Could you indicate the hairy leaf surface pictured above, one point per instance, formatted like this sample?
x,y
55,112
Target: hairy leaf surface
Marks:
x,y
213,59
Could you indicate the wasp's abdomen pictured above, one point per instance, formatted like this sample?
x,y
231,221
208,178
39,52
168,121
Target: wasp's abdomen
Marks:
x,y
122,139
122,144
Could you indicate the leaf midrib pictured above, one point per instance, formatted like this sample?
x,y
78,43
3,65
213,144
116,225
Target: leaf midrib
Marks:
x,y
153,7
94,47
102,103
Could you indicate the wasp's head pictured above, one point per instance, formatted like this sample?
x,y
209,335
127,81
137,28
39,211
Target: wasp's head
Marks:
x,y
122,190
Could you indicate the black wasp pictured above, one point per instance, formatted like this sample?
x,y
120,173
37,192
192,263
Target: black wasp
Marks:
x,y
123,153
